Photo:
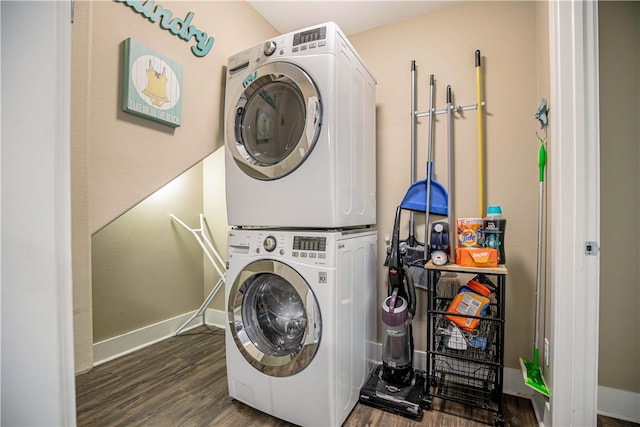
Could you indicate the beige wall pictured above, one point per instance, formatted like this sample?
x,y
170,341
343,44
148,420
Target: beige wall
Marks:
x,y
80,232
215,211
131,157
122,159
619,32
147,268
443,43
119,159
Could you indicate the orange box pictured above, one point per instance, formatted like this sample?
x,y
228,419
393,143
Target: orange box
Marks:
x,y
477,257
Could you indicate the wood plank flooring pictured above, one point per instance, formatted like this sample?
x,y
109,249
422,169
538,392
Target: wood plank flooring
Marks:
x,y
182,381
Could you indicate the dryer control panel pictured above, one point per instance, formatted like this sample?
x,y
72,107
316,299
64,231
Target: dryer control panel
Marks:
x,y
313,35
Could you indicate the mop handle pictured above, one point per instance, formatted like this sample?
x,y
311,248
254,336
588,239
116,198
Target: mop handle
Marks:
x,y
542,161
429,171
413,138
413,121
480,135
451,214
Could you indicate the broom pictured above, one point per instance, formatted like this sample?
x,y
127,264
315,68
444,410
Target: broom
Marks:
x,y
448,283
531,370
415,253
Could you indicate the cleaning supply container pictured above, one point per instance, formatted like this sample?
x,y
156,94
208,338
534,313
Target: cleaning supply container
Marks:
x,y
472,300
470,232
494,231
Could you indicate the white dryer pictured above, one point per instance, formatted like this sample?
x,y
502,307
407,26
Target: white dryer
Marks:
x,y
302,324
300,133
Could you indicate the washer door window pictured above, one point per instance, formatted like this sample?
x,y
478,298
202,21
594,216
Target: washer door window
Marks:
x,y
275,123
274,318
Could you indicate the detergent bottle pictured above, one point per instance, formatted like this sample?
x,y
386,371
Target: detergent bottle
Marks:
x,y
494,228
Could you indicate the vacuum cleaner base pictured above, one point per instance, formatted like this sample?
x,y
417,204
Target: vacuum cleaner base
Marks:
x,y
406,401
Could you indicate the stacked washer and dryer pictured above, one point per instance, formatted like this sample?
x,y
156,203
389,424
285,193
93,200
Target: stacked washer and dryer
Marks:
x,y
301,200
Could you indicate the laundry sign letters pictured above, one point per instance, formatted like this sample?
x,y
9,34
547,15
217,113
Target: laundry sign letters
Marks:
x,y
176,26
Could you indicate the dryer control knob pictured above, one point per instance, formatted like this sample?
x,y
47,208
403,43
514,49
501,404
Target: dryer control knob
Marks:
x,y
270,243
269,47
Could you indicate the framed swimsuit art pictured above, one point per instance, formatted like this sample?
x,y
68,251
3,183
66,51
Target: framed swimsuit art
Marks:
x,y
151,84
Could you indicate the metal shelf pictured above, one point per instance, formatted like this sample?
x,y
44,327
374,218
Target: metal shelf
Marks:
x,y
467,370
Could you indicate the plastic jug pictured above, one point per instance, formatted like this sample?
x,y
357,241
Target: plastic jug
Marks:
x,y
471,300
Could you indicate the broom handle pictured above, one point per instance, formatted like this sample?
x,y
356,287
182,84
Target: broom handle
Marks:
x,y
480,136
413,139
429,171
451,214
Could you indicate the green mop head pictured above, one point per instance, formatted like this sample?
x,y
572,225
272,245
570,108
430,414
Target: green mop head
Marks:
x,y
532,376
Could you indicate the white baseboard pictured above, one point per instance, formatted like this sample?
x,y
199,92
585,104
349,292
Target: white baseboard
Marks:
x,y
115,347
621,404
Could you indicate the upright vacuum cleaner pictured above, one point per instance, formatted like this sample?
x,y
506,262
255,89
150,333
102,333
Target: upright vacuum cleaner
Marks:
x,y
395,386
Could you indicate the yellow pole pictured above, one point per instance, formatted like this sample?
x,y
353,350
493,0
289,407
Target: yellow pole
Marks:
x,y
480,137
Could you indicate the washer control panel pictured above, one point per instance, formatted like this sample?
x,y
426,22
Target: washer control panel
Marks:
x,y
309,247
306,243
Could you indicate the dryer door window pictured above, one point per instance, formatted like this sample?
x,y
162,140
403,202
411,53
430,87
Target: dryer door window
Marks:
x,y
275,123
274,318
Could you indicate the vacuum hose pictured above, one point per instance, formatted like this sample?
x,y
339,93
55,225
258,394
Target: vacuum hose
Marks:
x,y
411,291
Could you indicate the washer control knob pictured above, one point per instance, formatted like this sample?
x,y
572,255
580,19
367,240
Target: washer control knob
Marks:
x,y
269,243
269,47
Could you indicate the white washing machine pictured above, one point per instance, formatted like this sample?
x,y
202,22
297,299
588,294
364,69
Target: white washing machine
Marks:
x,y
300,133
302,324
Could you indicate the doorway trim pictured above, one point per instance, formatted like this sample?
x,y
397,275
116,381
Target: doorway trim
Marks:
x,y
574,169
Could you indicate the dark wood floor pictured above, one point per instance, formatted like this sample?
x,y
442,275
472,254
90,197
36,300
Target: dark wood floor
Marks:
x,y
182,381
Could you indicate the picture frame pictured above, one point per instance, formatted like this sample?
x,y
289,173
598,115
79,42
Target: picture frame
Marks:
x,y
151,85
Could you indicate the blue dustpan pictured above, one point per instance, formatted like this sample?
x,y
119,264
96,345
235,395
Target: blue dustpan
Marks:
x,y
415,199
